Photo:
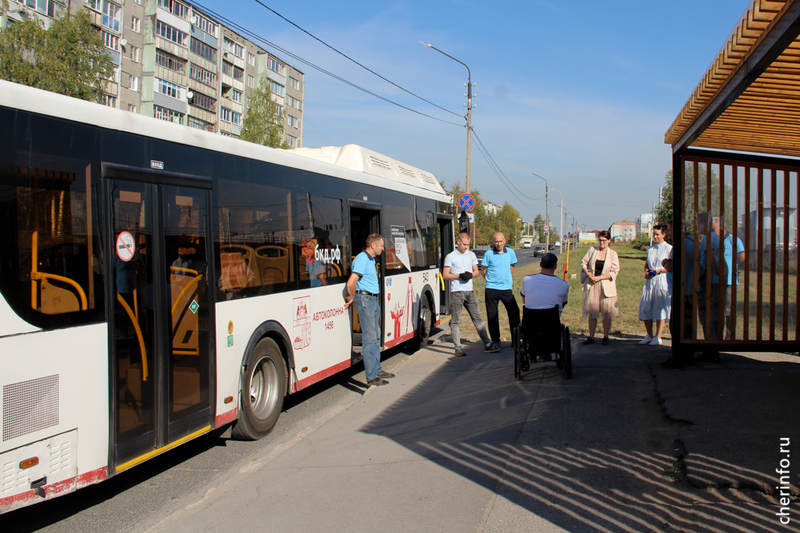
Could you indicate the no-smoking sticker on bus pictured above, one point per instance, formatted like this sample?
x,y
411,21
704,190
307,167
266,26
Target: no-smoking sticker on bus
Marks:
x,y
125,246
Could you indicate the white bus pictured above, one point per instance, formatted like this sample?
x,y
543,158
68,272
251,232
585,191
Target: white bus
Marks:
x,y
159,282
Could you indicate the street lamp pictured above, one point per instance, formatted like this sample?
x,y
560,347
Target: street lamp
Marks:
x,y
561,218
546,208
469,110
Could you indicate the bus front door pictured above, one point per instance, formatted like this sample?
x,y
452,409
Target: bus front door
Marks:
x,y
446,245
162,310
364,222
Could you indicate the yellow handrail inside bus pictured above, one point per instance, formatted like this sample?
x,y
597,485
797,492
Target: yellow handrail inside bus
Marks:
x,y
184,291
187,270
441,278
139,335
42,276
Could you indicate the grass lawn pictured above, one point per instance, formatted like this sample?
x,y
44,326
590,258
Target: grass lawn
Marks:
x,y
629,288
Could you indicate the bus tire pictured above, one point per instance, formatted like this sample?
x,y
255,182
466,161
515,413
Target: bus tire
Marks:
x,y
425,322
263,391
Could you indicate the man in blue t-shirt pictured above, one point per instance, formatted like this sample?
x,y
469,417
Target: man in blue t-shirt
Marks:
x,y
722,280
498,269
364,292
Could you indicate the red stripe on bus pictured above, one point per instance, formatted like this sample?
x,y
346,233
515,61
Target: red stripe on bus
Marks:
x,y
53,490
404,338
226,418
319,376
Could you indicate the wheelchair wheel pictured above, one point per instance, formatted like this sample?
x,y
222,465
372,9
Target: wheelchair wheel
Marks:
x,y
567,348
515,340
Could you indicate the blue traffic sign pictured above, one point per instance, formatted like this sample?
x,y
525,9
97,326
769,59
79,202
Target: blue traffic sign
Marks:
x,y
466,202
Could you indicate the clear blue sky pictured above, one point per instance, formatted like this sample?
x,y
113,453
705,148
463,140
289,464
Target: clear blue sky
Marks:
x,y
580,92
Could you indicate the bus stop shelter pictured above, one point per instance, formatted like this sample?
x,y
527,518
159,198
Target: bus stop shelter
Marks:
x,y
736,161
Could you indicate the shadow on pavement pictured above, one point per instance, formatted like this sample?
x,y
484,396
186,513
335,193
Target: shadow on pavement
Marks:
x,y
623,446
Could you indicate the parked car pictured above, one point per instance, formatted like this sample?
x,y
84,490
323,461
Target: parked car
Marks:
x,y
479,253
539,250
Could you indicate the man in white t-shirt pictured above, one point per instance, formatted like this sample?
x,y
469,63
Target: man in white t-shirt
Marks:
x,y
460,266
545,290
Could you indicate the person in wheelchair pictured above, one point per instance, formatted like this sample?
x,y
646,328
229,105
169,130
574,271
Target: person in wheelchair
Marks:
x,y
542,292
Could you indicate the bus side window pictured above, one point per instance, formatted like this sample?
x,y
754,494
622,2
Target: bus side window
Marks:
x,y
52,232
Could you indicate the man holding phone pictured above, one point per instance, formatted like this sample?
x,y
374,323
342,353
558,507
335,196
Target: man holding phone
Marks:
x,y
460,266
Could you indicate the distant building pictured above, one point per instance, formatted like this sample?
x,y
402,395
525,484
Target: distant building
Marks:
x,y
491,209
623,231
176,63
765,228
644,223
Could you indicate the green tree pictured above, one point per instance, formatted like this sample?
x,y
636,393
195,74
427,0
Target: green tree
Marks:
x,y
664,211
68,58
538,224
706,202
263,124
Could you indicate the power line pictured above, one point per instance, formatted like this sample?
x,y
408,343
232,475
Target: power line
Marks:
x,y
258,38
353,60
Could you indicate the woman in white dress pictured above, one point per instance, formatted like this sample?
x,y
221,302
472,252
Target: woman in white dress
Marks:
x,y
654,306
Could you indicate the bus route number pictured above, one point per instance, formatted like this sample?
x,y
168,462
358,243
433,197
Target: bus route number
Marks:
x,y
329,325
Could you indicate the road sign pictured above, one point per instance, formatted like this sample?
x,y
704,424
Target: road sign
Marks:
x,y
547,229
565,236
466,202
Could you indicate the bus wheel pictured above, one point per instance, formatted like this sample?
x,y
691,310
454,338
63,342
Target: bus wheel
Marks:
x,y
425,322
263,390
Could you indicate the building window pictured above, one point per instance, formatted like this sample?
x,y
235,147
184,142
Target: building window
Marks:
x,y
202,75
133,83
275,66
132,108
279,109
234,48
110,40
133,53
136,24
236,96
170,89
196,123
227,115
277,88
292,140
174,7
204,101
294,84
110,101
204,24
233,71
170,61
167,114
251,81
203,50
251,59
169,33
293,121
45,7
295,103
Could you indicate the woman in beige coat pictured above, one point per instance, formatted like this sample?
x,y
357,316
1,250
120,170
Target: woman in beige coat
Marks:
x,y
599,269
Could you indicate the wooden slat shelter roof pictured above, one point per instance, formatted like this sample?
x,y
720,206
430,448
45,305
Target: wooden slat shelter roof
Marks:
x,y
749,99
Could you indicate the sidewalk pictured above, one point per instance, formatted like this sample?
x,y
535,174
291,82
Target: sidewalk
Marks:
x,y
457,444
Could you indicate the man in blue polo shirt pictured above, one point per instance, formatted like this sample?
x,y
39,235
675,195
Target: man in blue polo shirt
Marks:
x,y
363,291
498,269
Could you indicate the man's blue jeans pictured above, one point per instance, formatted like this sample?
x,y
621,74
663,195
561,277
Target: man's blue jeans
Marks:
x,y
369,314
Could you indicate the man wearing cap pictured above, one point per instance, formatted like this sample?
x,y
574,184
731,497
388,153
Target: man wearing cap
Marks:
x,y
460,266
498,269
545,290
363,292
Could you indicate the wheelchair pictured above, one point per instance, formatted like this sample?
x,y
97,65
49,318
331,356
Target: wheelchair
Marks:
x,y
539,337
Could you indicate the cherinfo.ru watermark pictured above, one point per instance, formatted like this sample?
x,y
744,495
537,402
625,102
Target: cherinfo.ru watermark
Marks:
x,y
784,482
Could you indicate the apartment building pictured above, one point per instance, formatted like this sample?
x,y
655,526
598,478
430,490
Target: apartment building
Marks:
x,y
176,63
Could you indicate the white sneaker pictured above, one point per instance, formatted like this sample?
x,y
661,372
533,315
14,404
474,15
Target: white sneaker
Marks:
x,y
655,342
647,340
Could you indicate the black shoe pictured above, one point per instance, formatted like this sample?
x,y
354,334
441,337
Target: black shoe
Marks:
x,y
588,341
377,382
385,375
605,341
